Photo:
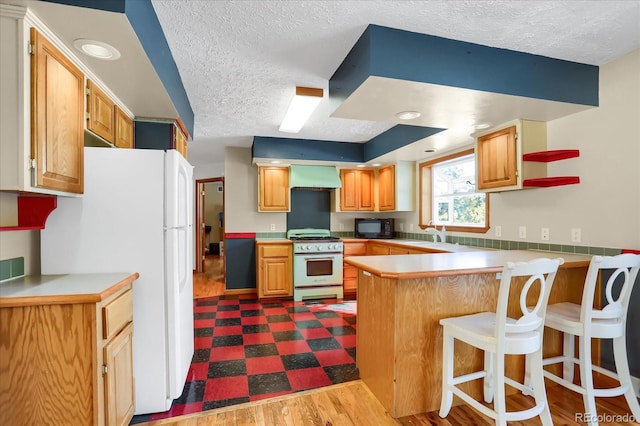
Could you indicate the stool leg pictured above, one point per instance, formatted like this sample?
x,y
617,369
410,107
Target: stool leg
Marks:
x,y
447,374
499,403
622,368
568,351
488,379
586,379
527,376
534,366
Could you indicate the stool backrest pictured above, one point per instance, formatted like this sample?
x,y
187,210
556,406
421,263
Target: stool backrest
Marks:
x,y
625,270
531,319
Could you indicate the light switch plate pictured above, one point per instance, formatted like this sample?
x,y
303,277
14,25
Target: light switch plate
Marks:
x,y
522,232
498,231
544,234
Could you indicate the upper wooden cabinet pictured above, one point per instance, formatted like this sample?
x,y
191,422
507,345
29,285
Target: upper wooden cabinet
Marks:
x,y
101,113
357,190
275,269
124,130
57,110
387,188
273,189
180,141
499,165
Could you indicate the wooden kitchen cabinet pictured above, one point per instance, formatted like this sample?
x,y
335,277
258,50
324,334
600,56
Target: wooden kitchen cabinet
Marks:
x,y
275,269
375,249
499,165
357,190
180,142
68,359
349,272
273,189
123,130
397,187
101,113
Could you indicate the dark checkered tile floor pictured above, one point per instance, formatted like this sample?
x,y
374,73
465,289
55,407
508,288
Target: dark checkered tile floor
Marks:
x,y
246,350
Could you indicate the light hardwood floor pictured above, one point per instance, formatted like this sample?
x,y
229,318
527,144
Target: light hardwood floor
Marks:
x,y
210,282
352,403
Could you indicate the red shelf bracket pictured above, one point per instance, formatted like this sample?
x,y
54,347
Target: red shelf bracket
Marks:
x,y
33,212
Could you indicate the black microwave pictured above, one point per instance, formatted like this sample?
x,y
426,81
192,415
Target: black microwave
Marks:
x,y
373,228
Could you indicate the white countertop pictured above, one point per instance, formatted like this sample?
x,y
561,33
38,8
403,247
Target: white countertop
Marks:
x,y
459,263
67,288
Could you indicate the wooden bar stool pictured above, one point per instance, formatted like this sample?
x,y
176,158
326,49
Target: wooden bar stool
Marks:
x,y
498,335
588,323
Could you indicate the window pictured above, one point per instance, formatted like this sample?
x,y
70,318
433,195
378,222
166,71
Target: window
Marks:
x,y
448,194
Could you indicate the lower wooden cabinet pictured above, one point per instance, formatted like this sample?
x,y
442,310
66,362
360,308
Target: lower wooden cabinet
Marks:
x,y
275,269
68,363
349,272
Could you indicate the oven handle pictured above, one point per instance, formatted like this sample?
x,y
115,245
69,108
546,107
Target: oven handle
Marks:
x,y
320,258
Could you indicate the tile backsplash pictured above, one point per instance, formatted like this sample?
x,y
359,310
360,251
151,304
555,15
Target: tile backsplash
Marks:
x,y
11,268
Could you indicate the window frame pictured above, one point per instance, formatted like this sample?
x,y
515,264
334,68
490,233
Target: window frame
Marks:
x,y
425,173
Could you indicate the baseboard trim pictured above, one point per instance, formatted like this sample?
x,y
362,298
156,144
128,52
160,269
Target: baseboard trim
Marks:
x,y
636,385
235,292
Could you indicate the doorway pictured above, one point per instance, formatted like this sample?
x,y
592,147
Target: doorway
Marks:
x,y
209,238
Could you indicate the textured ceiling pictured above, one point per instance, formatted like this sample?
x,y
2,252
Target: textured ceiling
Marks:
x,y
241,60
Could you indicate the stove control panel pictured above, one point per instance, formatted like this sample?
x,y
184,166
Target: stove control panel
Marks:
x,y
318,247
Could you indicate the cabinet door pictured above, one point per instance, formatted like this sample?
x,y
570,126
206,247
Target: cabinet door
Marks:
x,y
124,130
273,189
365,184
350,278
118,379
496,159
349,191
399,250
101,119
387,188
181,142
57,114
275,277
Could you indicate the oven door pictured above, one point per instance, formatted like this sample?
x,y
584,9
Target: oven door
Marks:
x,y
317,269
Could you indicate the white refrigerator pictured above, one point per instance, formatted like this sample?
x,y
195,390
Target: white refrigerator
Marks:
x,y
136,215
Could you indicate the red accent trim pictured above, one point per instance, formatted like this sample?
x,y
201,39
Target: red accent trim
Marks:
x,y
234,235
553,155
551,181
33,212
632,251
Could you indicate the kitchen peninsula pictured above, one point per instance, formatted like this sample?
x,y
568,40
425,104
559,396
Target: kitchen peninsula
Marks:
x,y
400,301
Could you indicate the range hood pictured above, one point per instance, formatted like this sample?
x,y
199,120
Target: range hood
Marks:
x,y
314,177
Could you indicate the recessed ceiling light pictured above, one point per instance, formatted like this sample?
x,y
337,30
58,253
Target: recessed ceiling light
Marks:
x,y
375,164
430,150
276,161
97,49
361,165
481,126
408,115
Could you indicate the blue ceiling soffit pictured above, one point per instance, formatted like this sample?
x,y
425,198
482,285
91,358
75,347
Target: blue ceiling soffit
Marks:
x,y
306,149
144,21
405,55
394,138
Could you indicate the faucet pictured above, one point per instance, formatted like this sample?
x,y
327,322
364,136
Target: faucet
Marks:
x,y
441,234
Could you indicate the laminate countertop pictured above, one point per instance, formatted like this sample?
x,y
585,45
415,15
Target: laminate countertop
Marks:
x,y
62,289
449,264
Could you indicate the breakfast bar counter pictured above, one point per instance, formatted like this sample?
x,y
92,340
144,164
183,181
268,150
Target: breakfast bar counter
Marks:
x,y
401,300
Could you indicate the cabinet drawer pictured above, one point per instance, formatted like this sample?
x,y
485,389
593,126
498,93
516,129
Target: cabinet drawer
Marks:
x,y
355,249
349,271
117,314
275,251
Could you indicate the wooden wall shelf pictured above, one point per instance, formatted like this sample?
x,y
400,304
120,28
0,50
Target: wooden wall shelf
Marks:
x,y
33,212
553,155
551,181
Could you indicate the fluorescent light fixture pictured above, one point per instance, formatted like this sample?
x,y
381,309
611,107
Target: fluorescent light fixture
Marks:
x,y
300,109
97,49
408,115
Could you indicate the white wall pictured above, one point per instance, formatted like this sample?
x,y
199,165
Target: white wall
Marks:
x,y
606,202
208,171
241,196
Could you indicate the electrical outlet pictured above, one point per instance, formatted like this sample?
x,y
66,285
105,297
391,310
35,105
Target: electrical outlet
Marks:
x,y
342,226
402,227
576,235
522,232
544,234
498,231
410,227
272,227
